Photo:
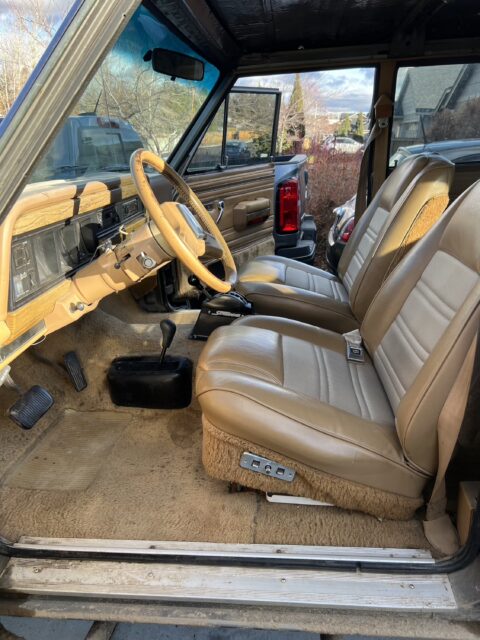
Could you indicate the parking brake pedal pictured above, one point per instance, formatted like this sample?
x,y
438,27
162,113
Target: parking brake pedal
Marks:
x,y
30,407
74,370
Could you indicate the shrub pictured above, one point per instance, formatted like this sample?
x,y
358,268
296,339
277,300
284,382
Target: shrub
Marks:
x,y
332,179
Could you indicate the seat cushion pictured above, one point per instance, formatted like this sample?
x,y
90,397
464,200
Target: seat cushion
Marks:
x,y
288,387
282,287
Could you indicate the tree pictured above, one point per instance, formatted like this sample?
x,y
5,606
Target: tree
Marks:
x,y
345,126
456,124
296,128
361,125
29,27
315,90
158,108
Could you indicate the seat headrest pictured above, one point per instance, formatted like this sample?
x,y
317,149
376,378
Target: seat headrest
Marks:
x,y
405,173
461,237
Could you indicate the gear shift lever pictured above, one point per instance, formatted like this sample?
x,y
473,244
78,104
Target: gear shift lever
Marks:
x,y
168,332
152,381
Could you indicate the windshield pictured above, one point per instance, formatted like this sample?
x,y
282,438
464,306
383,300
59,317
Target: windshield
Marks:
x,y
127,105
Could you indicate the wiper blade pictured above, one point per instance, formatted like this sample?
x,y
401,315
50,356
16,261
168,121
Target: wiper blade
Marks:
x,y
71,167
116,167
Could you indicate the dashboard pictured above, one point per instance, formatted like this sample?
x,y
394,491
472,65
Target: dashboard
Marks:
x,y
44,257
66,245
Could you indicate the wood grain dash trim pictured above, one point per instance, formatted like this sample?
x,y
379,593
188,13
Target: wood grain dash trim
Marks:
x,y
31,313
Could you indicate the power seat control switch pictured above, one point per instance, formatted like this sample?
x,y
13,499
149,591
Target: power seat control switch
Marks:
x,y
266,467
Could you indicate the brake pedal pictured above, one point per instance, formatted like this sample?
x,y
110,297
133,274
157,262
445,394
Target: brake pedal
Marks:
x,y
30,407
75,370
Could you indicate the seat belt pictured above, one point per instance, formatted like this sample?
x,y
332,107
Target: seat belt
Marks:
x,y
438,528
383,111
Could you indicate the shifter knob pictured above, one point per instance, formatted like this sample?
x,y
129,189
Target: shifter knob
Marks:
x,y
168,332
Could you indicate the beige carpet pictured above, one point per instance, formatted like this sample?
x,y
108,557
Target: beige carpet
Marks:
x,y
71,454
150,483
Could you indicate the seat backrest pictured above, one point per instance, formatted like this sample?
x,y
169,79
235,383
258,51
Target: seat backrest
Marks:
x,y
411,199
422,322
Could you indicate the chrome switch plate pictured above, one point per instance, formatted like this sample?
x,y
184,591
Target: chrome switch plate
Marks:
x,y
267,467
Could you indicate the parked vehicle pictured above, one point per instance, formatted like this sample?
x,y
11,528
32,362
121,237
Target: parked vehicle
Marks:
x,y
343,144
238,152
88,144
340,232
458,151
295,230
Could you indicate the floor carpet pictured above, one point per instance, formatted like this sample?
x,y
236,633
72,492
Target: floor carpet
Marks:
x,y
146,482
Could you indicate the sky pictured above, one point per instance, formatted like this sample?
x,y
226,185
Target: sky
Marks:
x,y
340,90
54,9
50,5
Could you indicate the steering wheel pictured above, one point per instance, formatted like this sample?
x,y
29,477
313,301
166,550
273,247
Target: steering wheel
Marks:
x,y
181,230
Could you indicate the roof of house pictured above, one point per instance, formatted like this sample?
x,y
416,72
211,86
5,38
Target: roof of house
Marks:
x,y
429,84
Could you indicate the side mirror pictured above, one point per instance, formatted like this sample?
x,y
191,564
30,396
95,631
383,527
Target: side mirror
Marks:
x,y
175,65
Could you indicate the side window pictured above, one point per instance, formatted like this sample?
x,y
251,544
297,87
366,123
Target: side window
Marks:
x,y
250,126
248,137
209,153
437,109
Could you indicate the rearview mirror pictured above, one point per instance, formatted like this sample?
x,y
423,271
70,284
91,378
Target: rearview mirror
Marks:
x,y
175,65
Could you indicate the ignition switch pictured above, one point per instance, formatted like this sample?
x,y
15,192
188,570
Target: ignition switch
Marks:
x,y
147,262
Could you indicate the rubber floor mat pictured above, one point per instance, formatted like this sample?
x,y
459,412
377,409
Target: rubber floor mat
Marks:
x,y
71,453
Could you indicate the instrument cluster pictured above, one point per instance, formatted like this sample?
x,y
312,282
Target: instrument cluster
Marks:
x,y
42,258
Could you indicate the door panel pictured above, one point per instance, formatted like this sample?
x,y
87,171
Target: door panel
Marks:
x,y
239,188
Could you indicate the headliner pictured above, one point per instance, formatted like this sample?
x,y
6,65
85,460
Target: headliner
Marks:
x,y
277,25
237,30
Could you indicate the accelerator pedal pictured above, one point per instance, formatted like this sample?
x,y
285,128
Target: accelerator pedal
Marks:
x,y
75,370
30,407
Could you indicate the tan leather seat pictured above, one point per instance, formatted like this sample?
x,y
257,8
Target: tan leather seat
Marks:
x,y
408,203
359,435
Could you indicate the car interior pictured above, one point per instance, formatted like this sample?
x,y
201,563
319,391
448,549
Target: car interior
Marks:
x,y
288,405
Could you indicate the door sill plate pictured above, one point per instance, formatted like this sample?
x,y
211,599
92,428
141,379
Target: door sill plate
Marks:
x,y
227,585
224,551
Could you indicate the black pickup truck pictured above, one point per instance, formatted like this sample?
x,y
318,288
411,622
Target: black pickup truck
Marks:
x,y
295,230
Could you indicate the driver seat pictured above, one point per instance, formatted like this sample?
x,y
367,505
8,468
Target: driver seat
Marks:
x,y
412,198
359,435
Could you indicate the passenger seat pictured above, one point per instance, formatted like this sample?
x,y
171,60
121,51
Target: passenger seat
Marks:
x,y
409,202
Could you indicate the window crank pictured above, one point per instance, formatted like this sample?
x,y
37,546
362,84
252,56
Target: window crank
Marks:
x,y
221,210
219,206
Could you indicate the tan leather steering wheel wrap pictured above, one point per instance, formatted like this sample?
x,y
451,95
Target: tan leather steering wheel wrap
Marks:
x,y
181,249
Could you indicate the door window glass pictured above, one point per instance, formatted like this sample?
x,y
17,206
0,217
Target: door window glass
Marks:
x,y
249,128
437,109
249,134
209,153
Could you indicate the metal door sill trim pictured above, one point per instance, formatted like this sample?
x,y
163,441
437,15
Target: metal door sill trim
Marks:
x,y
221,551
227,585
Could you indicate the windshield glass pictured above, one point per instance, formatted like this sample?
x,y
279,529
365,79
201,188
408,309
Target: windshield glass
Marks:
x,y
127,105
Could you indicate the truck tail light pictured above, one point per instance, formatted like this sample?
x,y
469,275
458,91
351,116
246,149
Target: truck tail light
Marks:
x,y
288,206
347,231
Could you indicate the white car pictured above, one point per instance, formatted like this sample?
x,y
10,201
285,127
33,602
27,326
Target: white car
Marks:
x,y
345,145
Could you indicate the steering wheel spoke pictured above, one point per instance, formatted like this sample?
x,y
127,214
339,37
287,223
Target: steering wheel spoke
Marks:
x,y
213,250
